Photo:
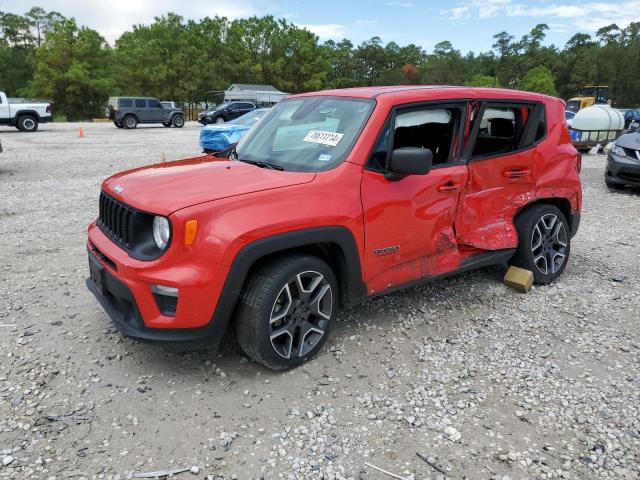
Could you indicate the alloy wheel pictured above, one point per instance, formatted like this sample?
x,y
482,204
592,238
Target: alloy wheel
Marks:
x,y
300,314
29,124
549,244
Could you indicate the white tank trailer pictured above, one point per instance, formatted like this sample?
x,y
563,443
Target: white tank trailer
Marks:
x,y
596,125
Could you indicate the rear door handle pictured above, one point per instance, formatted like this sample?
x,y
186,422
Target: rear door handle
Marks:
x,y
516,172
449,187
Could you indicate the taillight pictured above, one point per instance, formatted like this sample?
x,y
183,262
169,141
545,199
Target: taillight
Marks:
x,y
579,162
48,108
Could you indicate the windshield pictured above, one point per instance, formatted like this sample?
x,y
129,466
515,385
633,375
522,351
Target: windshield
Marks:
x,y
307,134
250,118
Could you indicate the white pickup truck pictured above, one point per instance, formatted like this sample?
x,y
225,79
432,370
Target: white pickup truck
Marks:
x,y
24,116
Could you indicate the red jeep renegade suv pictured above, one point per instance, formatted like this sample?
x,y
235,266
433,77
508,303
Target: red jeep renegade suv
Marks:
x,y
331,198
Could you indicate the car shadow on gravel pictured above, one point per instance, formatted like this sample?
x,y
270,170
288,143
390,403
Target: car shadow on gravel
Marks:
x,y
189,362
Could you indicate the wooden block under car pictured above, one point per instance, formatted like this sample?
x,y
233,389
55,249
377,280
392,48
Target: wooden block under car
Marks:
x,y
519,278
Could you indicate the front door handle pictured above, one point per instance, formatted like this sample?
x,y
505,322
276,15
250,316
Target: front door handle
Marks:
x,y
449,187
516,172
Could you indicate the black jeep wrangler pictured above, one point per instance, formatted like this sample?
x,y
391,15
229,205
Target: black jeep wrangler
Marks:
x,y
127,112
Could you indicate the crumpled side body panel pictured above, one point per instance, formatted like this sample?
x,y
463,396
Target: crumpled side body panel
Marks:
x,y
490,200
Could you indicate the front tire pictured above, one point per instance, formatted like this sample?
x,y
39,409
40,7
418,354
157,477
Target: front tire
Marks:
x,y
544,242
130,122
286,310
219,120
27,123
178,121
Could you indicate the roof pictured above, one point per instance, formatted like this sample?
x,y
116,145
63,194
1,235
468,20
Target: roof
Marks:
x,y
424,92
254,87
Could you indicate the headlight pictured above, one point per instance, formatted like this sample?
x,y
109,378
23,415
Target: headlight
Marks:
x,y
617,150
161,232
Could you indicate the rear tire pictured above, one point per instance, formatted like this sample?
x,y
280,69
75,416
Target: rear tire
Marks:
x,y
286,310
27,123
544,242
178,121
130,122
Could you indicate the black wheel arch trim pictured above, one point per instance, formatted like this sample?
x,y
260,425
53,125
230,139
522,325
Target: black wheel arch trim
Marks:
x,y
573,218
22,113
255,251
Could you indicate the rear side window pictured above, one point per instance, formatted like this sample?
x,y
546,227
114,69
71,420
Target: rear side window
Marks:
x,y
126,102
140,103
505,130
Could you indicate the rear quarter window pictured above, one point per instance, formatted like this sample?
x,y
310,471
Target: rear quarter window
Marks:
x,y
126,102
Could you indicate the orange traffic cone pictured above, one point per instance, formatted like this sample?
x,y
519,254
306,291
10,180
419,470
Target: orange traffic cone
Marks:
x,y
81,133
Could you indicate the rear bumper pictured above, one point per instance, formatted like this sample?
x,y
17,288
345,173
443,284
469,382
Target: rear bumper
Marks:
x,y
48,119
622,169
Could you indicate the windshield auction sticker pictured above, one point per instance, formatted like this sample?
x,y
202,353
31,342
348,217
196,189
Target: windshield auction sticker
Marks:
x,y
323,138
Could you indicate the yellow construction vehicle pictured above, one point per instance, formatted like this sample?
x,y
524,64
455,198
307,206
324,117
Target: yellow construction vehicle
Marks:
x,y
589,95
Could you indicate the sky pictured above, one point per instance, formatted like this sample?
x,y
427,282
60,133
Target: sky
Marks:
x,y
468,24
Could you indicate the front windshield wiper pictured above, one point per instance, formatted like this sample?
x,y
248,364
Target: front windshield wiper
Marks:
x,y
270,166
232,154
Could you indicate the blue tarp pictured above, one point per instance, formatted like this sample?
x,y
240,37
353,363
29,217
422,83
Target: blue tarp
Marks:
x,y
219,137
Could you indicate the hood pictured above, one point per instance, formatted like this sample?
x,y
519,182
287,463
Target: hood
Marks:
x,y
167,187
629,140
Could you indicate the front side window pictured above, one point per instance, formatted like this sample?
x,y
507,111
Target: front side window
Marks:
x,y
154,104
432,128
307,134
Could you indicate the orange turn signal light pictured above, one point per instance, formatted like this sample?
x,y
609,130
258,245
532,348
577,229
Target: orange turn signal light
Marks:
x,y
190,230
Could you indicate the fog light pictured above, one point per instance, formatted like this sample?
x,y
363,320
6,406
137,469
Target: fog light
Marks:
x,y
166,299
164,290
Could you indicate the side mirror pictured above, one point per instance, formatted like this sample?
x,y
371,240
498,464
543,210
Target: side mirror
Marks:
x,y
409,161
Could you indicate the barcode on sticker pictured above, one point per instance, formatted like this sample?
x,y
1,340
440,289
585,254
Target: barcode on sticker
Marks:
x,y
323,138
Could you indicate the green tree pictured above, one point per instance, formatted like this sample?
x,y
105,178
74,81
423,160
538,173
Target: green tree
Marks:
x,y
539,79
482,81
72,68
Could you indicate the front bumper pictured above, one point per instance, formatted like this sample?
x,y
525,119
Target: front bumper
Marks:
x,y
122,285
623,169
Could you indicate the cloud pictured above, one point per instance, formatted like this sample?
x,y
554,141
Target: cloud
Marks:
x,y
112,18
588,16
361,22
326,30
399,4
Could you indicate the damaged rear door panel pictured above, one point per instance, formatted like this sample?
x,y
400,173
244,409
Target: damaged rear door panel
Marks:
x,y
502,157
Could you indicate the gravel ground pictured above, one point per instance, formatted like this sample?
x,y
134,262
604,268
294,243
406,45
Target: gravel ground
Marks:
x,y
463,378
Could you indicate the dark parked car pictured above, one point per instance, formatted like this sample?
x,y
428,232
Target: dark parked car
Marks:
x,y
623,162
225,112
128,112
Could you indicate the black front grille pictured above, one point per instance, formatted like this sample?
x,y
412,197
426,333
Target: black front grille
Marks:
x,y
117,220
